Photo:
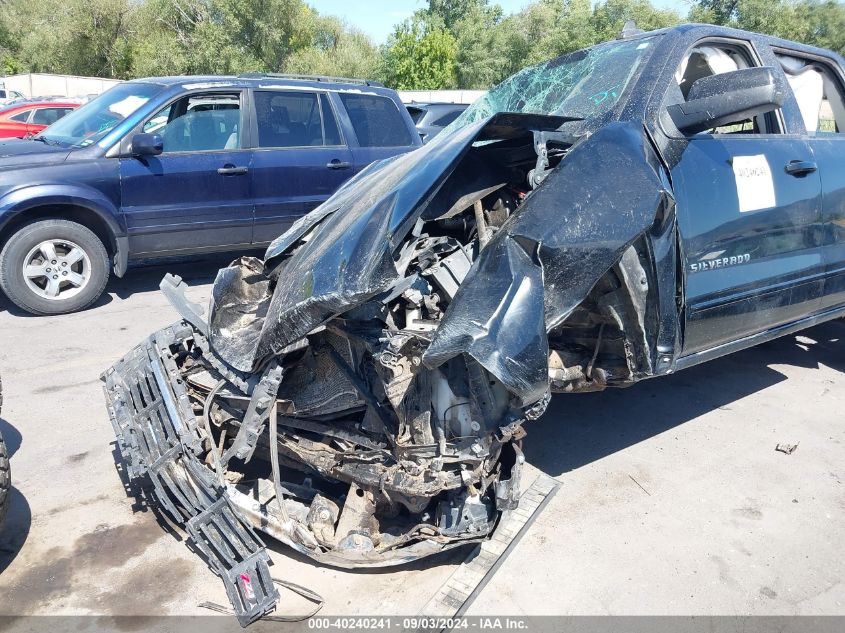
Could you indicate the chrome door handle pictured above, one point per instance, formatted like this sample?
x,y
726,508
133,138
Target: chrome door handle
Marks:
x,y
800,167
338,164
231,170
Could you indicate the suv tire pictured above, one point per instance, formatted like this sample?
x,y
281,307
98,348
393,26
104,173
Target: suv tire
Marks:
x,y
5,473
53,267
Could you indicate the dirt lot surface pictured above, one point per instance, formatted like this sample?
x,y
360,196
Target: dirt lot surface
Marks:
x,y
673,498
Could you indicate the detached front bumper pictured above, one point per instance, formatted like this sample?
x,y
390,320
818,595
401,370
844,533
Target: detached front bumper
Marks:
x,y
156,417
153,421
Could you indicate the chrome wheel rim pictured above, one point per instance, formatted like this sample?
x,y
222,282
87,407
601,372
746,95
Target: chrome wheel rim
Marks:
x,y
57,269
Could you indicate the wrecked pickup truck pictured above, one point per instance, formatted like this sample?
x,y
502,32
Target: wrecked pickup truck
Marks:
x,y
614,214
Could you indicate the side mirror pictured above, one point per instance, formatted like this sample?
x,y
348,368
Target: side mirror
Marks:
x,y
721,99
147,145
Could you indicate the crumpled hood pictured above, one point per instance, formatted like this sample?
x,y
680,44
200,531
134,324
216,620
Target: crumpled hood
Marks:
x,y
537,268
348,258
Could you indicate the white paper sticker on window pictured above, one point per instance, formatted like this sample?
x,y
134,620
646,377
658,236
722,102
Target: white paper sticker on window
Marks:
x,y
754,185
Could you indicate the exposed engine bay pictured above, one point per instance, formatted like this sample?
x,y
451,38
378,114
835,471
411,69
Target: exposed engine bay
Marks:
x,y
360,393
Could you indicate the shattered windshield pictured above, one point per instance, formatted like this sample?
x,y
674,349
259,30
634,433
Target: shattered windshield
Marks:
x,y
584,84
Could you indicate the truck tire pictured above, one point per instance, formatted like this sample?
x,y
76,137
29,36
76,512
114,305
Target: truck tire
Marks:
x,y
5,473
53,266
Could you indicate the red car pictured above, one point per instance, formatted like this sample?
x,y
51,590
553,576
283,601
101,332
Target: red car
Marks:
x,y
22,119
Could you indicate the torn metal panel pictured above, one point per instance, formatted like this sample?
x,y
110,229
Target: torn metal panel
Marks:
x,y
546,259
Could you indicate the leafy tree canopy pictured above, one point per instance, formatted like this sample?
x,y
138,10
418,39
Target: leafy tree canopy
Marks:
x,y
446,44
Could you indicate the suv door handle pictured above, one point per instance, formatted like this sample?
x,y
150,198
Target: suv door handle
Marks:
x,y
800,167
338,164
231,170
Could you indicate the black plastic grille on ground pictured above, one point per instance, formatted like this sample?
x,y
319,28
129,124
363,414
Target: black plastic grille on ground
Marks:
x,y
155,430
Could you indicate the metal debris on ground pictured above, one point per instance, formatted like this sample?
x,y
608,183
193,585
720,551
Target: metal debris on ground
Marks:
x,y
786,448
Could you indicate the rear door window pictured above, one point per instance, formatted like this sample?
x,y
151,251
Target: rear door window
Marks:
x,y
376,120
21,117
818,92
288,119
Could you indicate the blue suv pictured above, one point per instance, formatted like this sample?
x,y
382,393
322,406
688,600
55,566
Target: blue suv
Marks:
x,y
180,165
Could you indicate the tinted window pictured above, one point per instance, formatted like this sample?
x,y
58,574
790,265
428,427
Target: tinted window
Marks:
x,y
376,120
199,123
288,119
48,116
330,128
446,119
21,116
416,114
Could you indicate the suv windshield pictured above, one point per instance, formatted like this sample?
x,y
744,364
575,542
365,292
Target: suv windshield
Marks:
x,y
584,84
91,122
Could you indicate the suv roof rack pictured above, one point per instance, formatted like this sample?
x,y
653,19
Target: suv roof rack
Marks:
x,y
323,78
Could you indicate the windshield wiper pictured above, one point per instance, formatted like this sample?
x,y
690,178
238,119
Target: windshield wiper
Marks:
x,y
43,139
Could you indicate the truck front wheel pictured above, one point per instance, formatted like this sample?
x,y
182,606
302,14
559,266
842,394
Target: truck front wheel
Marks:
x,y
53,267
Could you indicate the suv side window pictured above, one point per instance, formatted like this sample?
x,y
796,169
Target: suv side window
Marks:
x,y
818,93
199,123
714,58
290,119
376,120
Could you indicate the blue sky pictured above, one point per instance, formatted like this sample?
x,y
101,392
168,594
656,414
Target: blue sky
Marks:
x,y
377,17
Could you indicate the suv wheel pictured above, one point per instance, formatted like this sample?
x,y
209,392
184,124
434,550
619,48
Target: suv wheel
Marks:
x,y
5,473
53,267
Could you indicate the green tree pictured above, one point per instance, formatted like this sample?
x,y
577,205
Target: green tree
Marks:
x,y
84,37
189,37
336,50
816,22
714,11
609,17
453,11
420,54
824,24
481,51
547,29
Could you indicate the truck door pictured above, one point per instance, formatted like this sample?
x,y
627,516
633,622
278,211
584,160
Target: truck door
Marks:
x,y
817,84
748,205
300,158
